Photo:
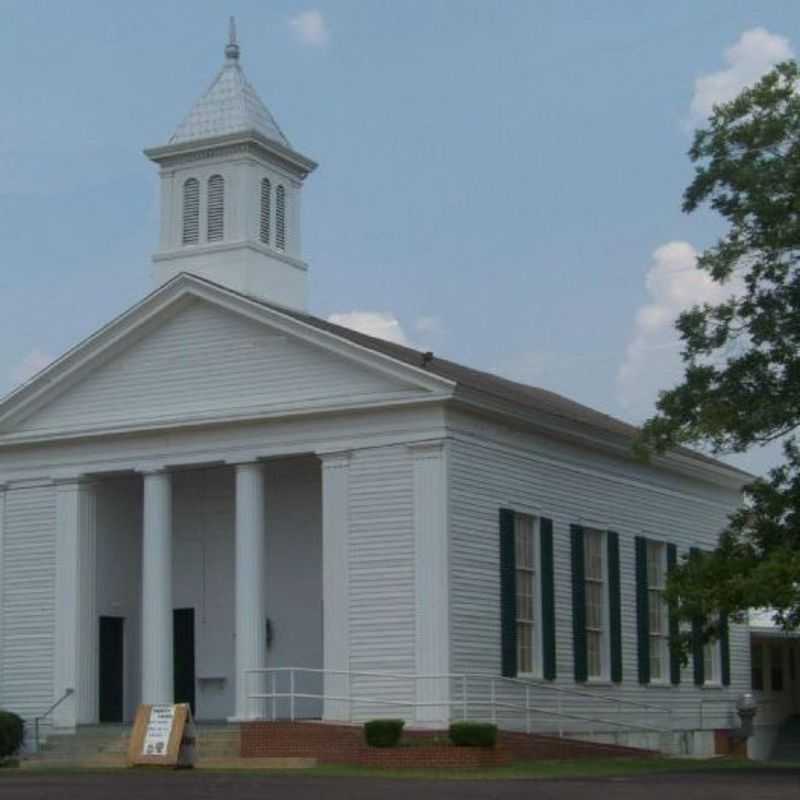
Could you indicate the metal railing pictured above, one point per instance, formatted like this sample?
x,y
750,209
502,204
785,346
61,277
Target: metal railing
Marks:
x,y
510,703
37,721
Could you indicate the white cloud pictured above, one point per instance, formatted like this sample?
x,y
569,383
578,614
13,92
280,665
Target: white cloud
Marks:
x,y
381,324
34,362
756,52
429,326
652,357
309,27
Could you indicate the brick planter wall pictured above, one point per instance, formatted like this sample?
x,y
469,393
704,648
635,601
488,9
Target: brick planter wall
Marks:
x,y
344,744
532,747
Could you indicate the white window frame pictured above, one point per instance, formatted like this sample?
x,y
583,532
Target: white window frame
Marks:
x,y
536,639
712,678
661,640
605,643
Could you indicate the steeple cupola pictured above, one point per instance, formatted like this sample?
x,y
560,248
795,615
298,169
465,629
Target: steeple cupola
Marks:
x,y
230,193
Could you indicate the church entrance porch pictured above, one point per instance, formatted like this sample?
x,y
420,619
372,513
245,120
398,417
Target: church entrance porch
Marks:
x,y
187,577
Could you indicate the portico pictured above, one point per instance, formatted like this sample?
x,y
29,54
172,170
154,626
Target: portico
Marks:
x,y
236,546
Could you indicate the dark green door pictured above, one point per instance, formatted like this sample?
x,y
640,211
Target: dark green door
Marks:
x,y
112,642
183,633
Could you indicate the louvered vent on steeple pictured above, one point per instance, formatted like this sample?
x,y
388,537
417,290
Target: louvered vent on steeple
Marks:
x,y
216,208
280,218
266,210
191,211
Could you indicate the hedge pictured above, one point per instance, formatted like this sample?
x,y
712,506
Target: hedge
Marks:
x,y
383,732
473,734
12,730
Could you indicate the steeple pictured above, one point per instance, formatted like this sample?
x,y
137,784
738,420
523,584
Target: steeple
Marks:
x,y
230,192
230,105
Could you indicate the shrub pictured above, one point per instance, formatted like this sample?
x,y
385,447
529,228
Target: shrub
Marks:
x,y
12,729
473,734
383,732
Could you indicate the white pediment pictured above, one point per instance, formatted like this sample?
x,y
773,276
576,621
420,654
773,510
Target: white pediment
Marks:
x,y
202,361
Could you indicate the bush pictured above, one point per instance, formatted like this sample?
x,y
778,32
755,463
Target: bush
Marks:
x,y
12,729
473,734
383,732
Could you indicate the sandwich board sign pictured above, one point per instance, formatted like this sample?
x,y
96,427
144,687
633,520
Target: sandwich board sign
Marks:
x,y
163,735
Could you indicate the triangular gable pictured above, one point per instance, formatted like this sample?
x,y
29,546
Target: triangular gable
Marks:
x,y
199,359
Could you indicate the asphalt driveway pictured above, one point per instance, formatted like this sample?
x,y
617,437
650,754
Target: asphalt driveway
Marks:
x,y
761,784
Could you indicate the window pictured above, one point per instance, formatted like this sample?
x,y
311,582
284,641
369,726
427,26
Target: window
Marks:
x,y
191,211
280,217
266,210
216,208
657,609
776,668
711,663
596,639
757,668
526,572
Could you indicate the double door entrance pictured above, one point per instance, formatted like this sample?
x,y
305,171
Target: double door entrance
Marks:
x,y
112,663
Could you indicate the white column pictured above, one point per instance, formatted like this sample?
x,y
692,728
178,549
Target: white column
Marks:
x,y
250,588
3,488
157,644
431,571
336,581
88,633
75,625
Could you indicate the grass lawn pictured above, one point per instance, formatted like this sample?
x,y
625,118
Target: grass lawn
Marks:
x,y
611,767
585,768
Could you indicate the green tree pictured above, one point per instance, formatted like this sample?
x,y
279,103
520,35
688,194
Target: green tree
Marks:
x,y
741,386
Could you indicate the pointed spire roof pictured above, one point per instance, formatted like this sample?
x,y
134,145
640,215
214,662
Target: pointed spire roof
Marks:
x,y
230,105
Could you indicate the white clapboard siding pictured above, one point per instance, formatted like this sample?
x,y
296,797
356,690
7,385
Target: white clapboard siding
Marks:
x,y
27,602
381,556
486,477
208,360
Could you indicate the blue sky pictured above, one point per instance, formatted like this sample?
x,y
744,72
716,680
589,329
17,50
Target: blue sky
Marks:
x,y
499,182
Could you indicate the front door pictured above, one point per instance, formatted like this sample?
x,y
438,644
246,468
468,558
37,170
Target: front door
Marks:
x,y
111,678
183,634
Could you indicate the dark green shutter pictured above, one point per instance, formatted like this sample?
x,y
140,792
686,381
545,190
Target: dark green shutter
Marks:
x,y
614,606
578,603
508,595
724,650
697,641
642,611
674,629
548,600
697,652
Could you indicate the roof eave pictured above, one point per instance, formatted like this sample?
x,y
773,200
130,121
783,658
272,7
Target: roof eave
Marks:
x,y
583,434
300,163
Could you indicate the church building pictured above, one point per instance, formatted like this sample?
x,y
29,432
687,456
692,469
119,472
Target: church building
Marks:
x,y
222,499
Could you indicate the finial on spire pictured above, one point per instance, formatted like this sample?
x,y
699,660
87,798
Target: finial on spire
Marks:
x,y
232,48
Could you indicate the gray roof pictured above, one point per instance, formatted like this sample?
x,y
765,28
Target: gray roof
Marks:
x,y
530,398
231,105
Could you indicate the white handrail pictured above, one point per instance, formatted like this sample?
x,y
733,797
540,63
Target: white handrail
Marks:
x,y
551,687
525,709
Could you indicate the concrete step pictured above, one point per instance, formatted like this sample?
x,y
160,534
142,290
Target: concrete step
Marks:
x,y
232,763
107,745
